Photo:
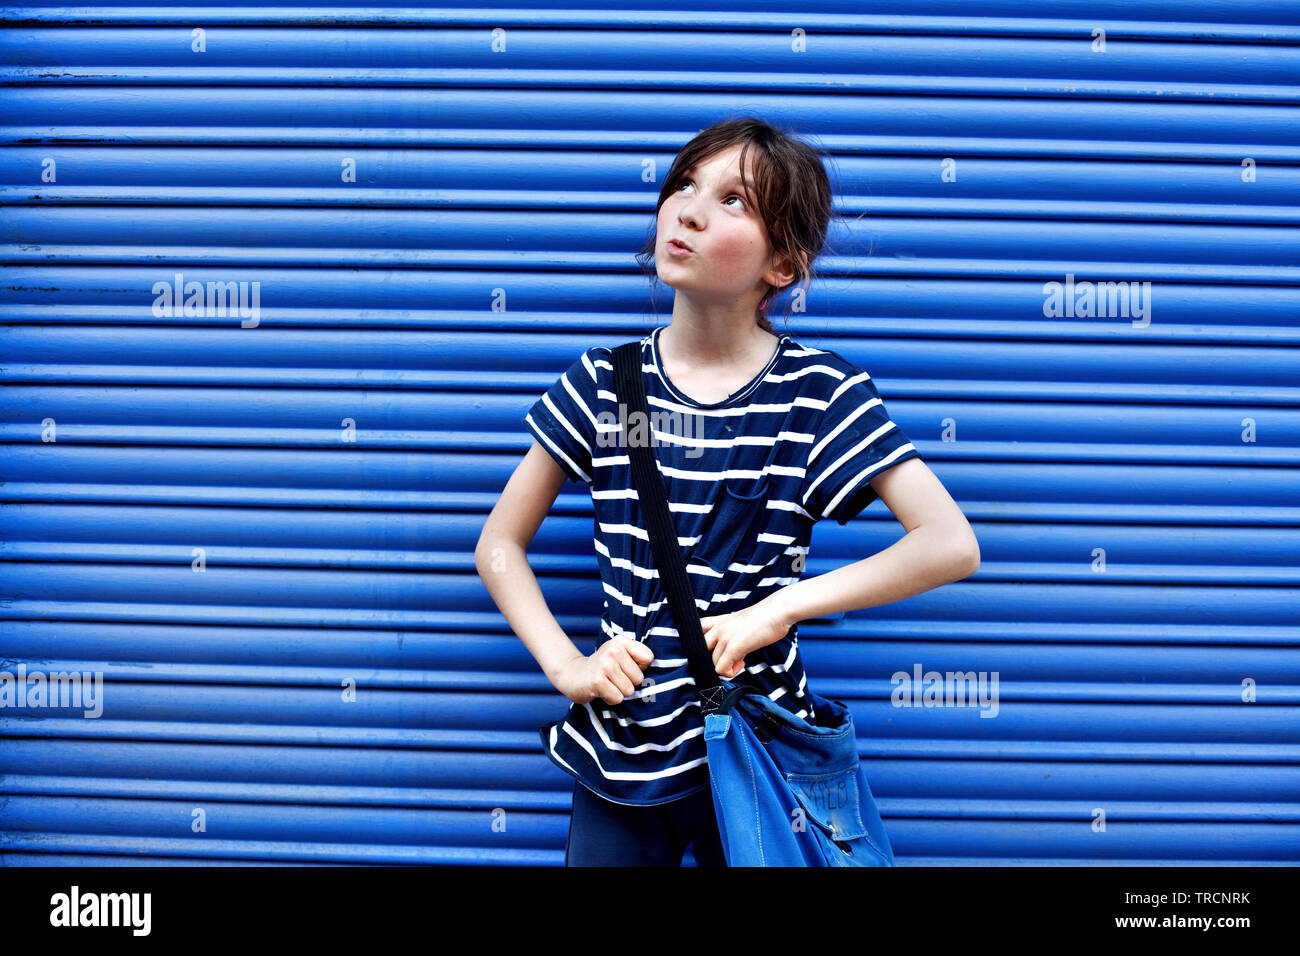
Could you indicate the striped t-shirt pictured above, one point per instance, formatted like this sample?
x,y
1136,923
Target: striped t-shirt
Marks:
x,y
746,479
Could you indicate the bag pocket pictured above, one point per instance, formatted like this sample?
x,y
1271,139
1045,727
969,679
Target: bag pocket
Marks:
x,y
832,807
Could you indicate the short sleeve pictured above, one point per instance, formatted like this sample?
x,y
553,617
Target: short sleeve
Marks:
x,y
563,420
855,441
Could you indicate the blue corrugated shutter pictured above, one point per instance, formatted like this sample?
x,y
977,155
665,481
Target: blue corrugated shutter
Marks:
x,y
236,518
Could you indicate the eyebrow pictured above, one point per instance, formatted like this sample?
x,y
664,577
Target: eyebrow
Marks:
x,y
733,183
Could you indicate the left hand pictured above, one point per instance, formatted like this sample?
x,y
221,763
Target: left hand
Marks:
x,y
731,636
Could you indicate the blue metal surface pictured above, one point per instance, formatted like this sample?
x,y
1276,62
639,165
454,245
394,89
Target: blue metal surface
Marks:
x,y
334,558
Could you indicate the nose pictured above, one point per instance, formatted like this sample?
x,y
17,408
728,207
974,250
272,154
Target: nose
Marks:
x,y
687,213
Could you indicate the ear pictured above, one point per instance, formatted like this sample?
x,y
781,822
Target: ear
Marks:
x,y
781,272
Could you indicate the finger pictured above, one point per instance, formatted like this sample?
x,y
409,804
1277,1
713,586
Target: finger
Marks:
x,y
640,652
732,658
607,692
724,650
630,668
619,680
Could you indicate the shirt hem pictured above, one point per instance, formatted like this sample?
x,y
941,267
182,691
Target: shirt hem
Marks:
x,y
864,496
546,434
545,733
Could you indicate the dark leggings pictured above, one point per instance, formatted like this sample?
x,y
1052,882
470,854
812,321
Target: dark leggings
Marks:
x,y
604,833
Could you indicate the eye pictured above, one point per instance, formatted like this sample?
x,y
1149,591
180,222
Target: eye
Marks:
x,y
743,204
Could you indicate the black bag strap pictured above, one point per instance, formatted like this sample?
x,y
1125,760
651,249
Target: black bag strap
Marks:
x,y
629,388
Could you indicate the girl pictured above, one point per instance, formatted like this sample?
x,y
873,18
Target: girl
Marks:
x,y
757,438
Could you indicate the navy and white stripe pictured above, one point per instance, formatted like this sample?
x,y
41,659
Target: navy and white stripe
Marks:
x,y
746,479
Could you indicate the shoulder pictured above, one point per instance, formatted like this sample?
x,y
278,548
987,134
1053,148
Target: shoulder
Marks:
x,y
829,373
599,359
590,366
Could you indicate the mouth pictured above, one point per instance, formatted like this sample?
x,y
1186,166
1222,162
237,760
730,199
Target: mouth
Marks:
x,y
679,247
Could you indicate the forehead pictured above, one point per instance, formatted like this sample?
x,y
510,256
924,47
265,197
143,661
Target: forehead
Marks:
x,y
725,165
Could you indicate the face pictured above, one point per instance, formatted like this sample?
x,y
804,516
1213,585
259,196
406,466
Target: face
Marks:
x,y
730,253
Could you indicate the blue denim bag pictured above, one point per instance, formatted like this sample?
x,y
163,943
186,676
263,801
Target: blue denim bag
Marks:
x,y
786,792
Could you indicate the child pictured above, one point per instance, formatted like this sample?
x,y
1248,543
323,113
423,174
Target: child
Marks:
x,y
761,438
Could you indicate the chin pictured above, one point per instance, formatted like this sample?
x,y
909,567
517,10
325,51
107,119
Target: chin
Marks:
x,y
665,276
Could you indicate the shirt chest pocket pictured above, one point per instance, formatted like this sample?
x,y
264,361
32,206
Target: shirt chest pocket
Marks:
x,y
743,530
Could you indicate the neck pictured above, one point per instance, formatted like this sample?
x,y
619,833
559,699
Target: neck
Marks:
x,y
708,336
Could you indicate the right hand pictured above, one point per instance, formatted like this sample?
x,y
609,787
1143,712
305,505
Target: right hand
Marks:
x,y
611,673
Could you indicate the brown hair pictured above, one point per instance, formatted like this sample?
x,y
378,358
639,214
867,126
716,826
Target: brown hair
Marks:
x,y
791,185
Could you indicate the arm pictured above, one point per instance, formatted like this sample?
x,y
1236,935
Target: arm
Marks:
x,y
939,547
501,559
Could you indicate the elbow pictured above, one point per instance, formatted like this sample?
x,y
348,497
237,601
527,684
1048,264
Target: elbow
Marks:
x,y
958,553
490,553
967,550
484,555
483,551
